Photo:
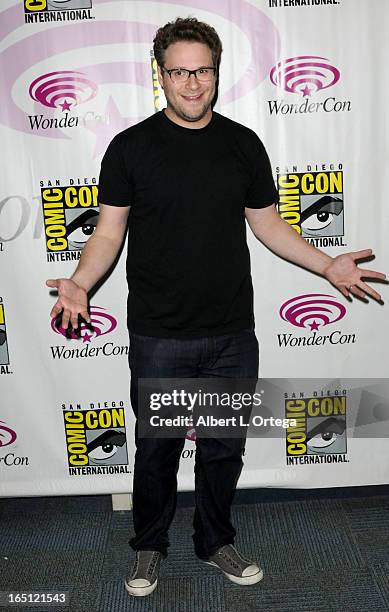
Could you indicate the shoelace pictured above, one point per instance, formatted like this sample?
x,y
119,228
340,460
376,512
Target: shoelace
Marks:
x,y
151,566
153,563
134,571
224,554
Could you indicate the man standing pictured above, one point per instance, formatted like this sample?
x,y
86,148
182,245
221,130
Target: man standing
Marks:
x,y
188,178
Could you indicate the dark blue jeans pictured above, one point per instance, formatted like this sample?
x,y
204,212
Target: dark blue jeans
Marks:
x,y
218,461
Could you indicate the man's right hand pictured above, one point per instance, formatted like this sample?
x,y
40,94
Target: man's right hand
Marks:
x,y
72,301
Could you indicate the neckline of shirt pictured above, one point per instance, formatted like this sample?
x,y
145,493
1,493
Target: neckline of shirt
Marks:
x,y
185,130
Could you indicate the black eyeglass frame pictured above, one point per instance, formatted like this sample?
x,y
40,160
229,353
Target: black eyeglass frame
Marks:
x,y
169,72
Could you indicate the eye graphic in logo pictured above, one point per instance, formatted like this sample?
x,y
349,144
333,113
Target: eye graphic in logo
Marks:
x,y
322,216
312,310
61,5
7,435
106,446
80,227
62,89
101,323
304,74
4,356
325,434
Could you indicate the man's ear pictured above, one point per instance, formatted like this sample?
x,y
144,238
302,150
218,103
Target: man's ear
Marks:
x,y
160,75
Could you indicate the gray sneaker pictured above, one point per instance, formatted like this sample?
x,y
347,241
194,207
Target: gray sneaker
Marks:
x,y
235,567
144,577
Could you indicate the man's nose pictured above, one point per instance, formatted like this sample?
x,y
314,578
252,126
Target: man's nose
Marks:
x,y
192,82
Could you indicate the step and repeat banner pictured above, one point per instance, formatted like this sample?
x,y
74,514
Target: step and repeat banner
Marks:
x,y
309,77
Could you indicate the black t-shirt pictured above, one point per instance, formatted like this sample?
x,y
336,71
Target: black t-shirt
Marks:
x,y
188,264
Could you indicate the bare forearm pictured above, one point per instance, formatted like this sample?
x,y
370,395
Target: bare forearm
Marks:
x,y
283,240
97,257
341,271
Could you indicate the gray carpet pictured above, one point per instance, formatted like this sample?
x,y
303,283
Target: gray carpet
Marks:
x,y
320,552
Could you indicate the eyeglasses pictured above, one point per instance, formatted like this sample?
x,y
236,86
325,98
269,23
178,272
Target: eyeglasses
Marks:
x,y
180,75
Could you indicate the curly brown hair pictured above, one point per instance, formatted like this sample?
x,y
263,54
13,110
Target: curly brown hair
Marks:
x,y
188,29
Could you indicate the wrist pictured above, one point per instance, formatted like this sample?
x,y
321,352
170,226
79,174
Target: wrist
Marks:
x,y
325,262
80,282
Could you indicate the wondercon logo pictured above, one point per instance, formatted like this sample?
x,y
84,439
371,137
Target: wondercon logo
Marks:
x,y
102,323
7,435
304,74
312,310
62,89
191,434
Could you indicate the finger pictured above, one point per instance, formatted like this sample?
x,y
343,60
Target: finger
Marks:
x,y
344,291
52,282
354,290
372,274
57,308
74,320
361,254
85,315
369,290
65,318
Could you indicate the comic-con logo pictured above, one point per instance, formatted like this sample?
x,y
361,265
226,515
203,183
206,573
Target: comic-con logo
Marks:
x,y
301,3
61,91
319,432
305,76
313,204
4,354
96,440
310,312
8,437
40,11
70,214
102,324
158,94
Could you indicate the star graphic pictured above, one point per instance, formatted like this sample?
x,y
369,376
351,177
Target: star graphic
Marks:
x,y
306,91
105,131
86,337
65,105
314,326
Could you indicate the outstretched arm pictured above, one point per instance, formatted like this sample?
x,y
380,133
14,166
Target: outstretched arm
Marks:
x,y
342,271
97,257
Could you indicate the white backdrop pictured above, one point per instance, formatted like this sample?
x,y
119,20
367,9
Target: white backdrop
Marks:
x,y
309,77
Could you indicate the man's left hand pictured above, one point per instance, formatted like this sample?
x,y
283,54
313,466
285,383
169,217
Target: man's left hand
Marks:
x,y
345,275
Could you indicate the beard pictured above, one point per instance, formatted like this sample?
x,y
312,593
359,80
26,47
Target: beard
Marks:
x,y
185,114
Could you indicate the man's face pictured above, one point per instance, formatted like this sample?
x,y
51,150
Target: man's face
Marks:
x,y
188,102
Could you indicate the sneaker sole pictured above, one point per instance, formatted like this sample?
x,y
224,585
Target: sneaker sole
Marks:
x,y
244,580
140,591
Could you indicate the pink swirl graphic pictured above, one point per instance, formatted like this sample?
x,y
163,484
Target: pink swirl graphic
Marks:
x,y
56,39
101,322
52,88
191,434
7,434
305,74
312,310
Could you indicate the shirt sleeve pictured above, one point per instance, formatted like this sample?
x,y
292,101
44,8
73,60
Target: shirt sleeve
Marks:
x,y
115,185
262,191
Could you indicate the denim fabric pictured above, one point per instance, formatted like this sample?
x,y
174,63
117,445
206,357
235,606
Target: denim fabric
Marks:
x,y
218,461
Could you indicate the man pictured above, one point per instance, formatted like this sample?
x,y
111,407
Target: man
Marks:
x,y
191,177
